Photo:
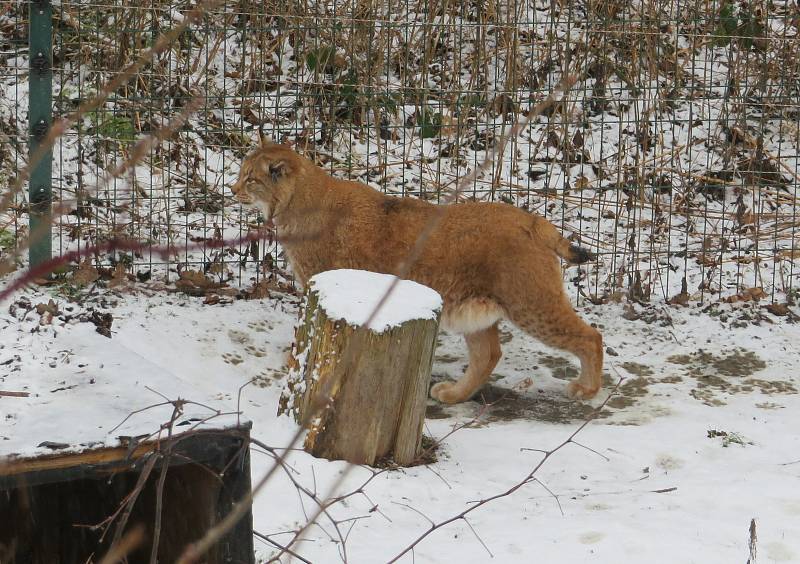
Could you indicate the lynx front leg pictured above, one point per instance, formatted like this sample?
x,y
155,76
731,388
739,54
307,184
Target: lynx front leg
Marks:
x,y
484,354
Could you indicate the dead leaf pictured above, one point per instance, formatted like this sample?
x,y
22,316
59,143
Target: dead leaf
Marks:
x,y
449,125
49,307
196,278
47,312
195,283
747,218
582,183
679,299
747,295
630,313
708,260
503,104
85,274
258,291
119,278
789,254
616,297
525,383
781,310
217,268
102,322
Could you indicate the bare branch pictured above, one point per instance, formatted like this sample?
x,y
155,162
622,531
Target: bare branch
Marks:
x,y
477,536
125,546
283,548
531,476
417,511
555,497
601,455
177,411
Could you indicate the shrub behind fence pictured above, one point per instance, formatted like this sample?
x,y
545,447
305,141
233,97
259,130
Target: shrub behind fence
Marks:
x,y
674,156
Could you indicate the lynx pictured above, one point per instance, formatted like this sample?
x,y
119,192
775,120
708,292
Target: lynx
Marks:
x,y
489,261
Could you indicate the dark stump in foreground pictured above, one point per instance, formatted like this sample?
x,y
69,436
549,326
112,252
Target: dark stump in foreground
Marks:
x,y
69,507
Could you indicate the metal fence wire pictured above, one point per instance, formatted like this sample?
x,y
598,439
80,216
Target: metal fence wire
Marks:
x,y
674,156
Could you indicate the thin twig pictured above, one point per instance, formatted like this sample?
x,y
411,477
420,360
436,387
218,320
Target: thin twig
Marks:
x,y
530,477
125,546
601,455
555,497
9,394
283,548
477,536
177,411
130,500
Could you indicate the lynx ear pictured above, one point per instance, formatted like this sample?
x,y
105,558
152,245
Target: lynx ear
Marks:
x,y
277,169
263,140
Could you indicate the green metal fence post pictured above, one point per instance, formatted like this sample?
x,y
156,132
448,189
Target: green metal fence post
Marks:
x,y
40,116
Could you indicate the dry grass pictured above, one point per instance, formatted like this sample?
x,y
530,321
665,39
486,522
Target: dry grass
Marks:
x,y
682,124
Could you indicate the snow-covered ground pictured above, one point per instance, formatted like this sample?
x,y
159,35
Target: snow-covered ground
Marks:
x,y
701,438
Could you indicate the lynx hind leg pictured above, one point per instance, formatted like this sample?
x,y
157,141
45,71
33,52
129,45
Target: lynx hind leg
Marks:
x,y
555,323
484,354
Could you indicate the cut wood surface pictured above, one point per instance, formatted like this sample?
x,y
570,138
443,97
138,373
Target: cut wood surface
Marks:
x,y
201,444
361,391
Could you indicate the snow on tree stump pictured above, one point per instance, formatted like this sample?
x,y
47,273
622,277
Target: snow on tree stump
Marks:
x,y
361,390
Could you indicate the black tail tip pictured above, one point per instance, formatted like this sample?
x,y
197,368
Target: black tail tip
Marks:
x,y
579,255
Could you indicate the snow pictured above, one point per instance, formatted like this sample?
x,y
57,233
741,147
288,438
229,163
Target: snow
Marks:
x,y
354,295
657,489
88,392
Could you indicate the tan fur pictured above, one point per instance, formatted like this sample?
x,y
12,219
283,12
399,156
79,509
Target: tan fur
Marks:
x,y
489,261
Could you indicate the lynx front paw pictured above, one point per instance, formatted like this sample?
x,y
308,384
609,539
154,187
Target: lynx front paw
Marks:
x,y
445,392
576,390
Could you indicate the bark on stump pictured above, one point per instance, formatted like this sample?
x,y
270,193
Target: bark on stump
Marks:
x,y
362,391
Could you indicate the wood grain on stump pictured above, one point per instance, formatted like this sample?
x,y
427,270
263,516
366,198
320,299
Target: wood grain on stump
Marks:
x,y
361,391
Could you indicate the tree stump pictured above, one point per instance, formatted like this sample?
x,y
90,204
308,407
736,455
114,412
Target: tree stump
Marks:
x,y
47,500
361,390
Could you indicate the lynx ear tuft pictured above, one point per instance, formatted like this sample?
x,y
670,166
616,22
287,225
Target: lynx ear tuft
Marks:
x,y
263,140
277,169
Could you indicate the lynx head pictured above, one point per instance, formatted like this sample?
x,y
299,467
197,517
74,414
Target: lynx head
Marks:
x,y
267,177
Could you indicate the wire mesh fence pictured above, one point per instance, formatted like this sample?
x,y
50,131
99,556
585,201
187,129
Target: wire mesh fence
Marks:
x,y
674,156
